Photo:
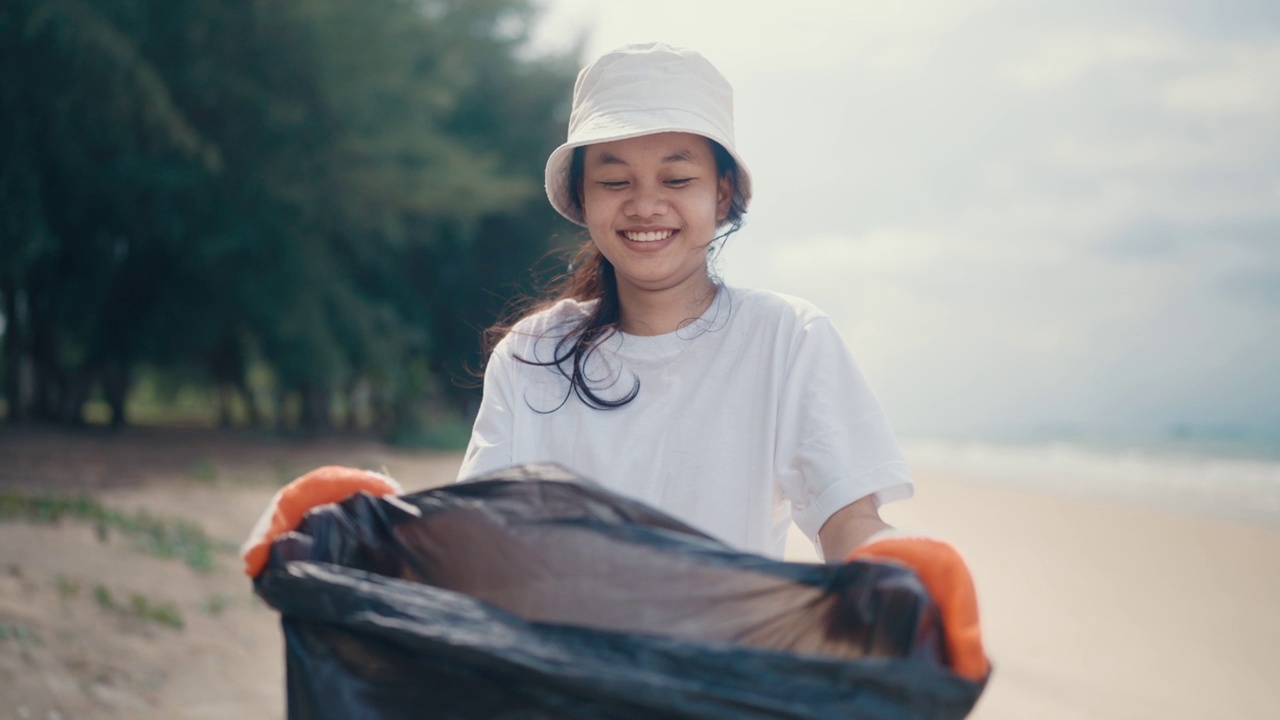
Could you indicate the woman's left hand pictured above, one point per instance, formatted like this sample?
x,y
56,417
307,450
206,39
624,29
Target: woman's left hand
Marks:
x,y
946,577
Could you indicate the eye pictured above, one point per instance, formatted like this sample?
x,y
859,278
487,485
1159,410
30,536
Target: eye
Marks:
x,y
612,184
679,182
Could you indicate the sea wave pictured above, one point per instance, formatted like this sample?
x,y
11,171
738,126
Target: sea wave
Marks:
x,y
1170,477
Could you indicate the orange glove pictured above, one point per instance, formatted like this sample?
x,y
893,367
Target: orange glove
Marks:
x,y
946,577
329,484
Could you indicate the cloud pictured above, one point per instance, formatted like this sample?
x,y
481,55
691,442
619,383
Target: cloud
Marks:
x,y
1017,213
1238,82
1064,58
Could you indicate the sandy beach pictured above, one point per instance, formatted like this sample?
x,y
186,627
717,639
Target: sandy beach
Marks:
x,y
1110,612
1091,610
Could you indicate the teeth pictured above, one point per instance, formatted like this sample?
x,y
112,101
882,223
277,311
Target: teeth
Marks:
x,y
649,236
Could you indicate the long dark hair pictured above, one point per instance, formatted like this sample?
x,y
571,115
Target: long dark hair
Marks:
x,y
591,277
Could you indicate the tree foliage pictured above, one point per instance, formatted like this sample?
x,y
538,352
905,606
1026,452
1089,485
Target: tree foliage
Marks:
x,y
340,192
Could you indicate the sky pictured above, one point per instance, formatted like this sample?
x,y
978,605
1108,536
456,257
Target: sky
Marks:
x,y
1025,217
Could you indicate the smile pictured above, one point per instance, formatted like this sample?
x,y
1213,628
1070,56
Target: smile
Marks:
x,y
648,236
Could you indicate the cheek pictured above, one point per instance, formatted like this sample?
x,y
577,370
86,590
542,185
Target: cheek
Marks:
x,y
709,205
599,221
595,205
605,243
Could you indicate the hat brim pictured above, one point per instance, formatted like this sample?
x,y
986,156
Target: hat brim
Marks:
x,y
604,129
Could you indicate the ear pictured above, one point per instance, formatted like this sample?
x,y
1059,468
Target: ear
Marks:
x,y
724,196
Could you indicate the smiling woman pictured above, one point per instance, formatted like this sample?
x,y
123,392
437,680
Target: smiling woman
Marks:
x,y
753,410
735,410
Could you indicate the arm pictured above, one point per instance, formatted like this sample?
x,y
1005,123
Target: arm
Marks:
x,y
491,435
848,528
856,533
827,406
838,457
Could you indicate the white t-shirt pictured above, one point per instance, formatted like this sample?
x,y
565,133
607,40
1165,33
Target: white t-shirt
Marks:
x,y
751,416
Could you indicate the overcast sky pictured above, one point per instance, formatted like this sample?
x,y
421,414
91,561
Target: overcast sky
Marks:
x,y
1020,214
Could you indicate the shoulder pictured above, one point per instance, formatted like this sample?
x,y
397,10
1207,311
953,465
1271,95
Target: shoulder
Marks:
x,y
556,317
548,324
800,332
755,307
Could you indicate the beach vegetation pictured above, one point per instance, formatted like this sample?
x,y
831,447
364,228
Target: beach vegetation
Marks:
x,y
140,607
205,471
67,587
216,604
163,613
103,597
175,539
21,633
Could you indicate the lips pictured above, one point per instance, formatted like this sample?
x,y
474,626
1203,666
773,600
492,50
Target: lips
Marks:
x,y
648,235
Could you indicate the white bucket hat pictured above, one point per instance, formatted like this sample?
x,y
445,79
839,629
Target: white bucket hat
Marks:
x,y
642,90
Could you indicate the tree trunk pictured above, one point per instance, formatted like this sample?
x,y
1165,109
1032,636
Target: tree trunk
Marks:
x,y
224,406
314,418
384,415
115,385
227,368
255,417
12,351
352,393
76,387
50,381
281,397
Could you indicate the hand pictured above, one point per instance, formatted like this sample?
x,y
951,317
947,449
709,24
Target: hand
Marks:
x,y
329,484
946,577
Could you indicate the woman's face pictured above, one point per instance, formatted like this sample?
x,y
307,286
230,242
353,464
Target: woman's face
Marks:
x,y
652,205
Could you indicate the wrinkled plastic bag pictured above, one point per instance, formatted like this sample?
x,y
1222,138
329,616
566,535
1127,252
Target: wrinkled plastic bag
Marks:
x,y
531,593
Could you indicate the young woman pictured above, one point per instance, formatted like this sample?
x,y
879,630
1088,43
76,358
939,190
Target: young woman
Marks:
x,y
735,410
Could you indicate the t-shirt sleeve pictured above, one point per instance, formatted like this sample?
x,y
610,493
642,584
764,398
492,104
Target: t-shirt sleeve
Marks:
x,y
490,447
835,443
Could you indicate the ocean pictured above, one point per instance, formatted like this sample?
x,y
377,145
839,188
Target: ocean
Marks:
x,y
1235,480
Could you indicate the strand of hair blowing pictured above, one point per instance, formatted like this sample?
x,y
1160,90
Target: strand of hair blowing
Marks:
x,y
591,277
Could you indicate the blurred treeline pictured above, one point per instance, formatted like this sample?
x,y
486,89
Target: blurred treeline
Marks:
x,y
307,208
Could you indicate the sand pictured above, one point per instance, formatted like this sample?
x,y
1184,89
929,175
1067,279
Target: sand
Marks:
x,y
66,654
1090,610
1098,611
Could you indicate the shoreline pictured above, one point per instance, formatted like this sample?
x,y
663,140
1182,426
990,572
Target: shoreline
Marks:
x,y
1236,489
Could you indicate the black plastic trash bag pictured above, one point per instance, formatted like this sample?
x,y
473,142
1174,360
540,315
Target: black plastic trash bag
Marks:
x,y
533,594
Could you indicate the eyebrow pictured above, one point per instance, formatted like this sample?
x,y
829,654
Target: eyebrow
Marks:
x,y
677,156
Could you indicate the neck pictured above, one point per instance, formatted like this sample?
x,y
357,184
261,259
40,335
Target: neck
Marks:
x,y
658,312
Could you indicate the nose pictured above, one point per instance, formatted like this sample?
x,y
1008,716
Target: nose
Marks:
x,y
647,200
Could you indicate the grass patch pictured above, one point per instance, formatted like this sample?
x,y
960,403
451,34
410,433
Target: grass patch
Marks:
x,y
67,587
163,613
102,596
171,539
21,633
166,614
215,604
205,471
